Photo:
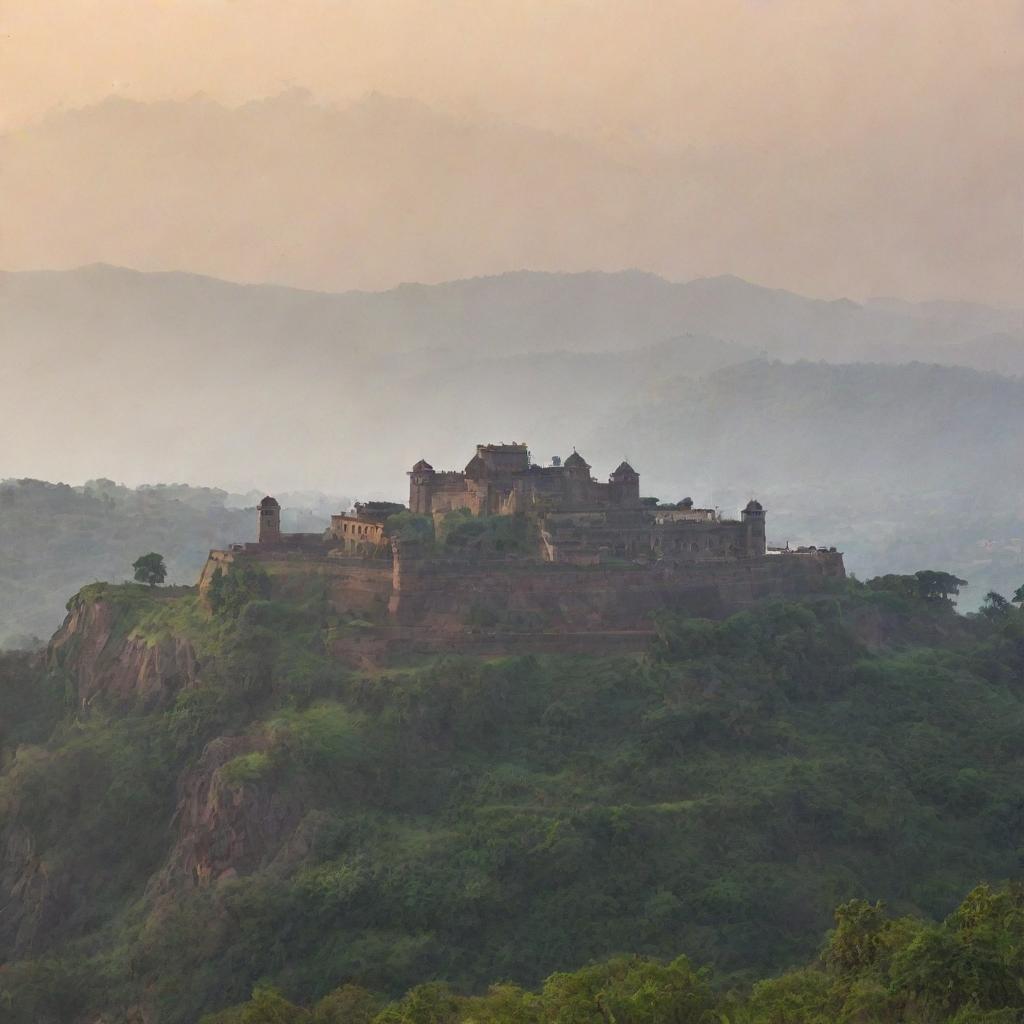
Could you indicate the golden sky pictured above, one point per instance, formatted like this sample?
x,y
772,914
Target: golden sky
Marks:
x,y
916,98
654,69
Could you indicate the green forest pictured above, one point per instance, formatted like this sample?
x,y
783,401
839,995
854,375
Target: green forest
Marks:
x,y
873,968
559,838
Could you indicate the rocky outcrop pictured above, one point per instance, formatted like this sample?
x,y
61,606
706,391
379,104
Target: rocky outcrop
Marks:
x,y
229,823
104,660
34,900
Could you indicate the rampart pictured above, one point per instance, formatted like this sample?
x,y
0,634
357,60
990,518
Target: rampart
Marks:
x,y
419,601
459,593
356,585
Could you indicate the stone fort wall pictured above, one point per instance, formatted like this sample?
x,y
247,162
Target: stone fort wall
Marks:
x,y
455,594
417,601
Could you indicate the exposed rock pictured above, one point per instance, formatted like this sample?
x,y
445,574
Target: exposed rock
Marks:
x,y
127,669
227,827
34,901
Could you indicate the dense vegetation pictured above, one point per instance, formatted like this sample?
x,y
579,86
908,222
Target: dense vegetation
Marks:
x,y
873,970
461,531
480,821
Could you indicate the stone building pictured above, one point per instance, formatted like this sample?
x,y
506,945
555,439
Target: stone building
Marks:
x,y
572,517
501,479
361,531
580,519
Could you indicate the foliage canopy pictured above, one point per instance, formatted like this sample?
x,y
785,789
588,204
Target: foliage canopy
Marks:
x,y
514,819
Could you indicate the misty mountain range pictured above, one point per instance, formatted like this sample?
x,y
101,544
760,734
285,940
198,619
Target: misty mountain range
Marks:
x,y
877,426
262,386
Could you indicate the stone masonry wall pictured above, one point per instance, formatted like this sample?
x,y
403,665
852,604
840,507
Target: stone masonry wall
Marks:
x,y
421,602
451,594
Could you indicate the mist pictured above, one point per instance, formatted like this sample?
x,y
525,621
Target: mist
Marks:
x,y
832,150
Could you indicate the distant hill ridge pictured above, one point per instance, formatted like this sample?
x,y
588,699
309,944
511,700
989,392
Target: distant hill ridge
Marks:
x,y
183,377
518,311
386,189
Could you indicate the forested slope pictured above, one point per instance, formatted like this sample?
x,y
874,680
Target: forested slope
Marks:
x,y
190,804
873,969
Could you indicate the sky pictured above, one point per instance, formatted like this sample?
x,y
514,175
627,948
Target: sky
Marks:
x,y
828,146
647,72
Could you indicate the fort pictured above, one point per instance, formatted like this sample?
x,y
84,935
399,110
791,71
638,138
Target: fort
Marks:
x,y
507,555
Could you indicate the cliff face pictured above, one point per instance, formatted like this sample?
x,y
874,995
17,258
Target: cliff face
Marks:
x,y
43,890
105,661
227,823
35,899
208,820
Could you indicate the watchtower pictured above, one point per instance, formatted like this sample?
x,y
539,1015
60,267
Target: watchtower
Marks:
x,y
753,518
421,485
270,521
624,486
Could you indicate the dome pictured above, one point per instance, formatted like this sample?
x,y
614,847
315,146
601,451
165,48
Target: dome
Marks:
x,y
423,467
625,470
576,461
754,506
269,502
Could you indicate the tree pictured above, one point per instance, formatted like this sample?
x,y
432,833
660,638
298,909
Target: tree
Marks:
x,y
349,1004
1018,595
995,606
150,569
938,586
859,936
230,592
409,526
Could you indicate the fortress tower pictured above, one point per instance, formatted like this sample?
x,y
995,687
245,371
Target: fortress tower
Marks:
x,y
421,485
624,486
752,518
270,521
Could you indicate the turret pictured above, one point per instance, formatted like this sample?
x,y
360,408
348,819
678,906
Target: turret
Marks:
x,y
624,486
753,518
270,521
421,487
576,489
576,466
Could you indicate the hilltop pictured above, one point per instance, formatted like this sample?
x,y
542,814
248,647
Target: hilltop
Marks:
x,y
55,538
665,374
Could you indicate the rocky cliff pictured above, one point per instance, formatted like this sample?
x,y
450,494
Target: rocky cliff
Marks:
x,y
105,659
229,822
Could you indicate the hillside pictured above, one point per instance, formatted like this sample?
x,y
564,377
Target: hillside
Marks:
x,y
963,970
55,539
190,804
